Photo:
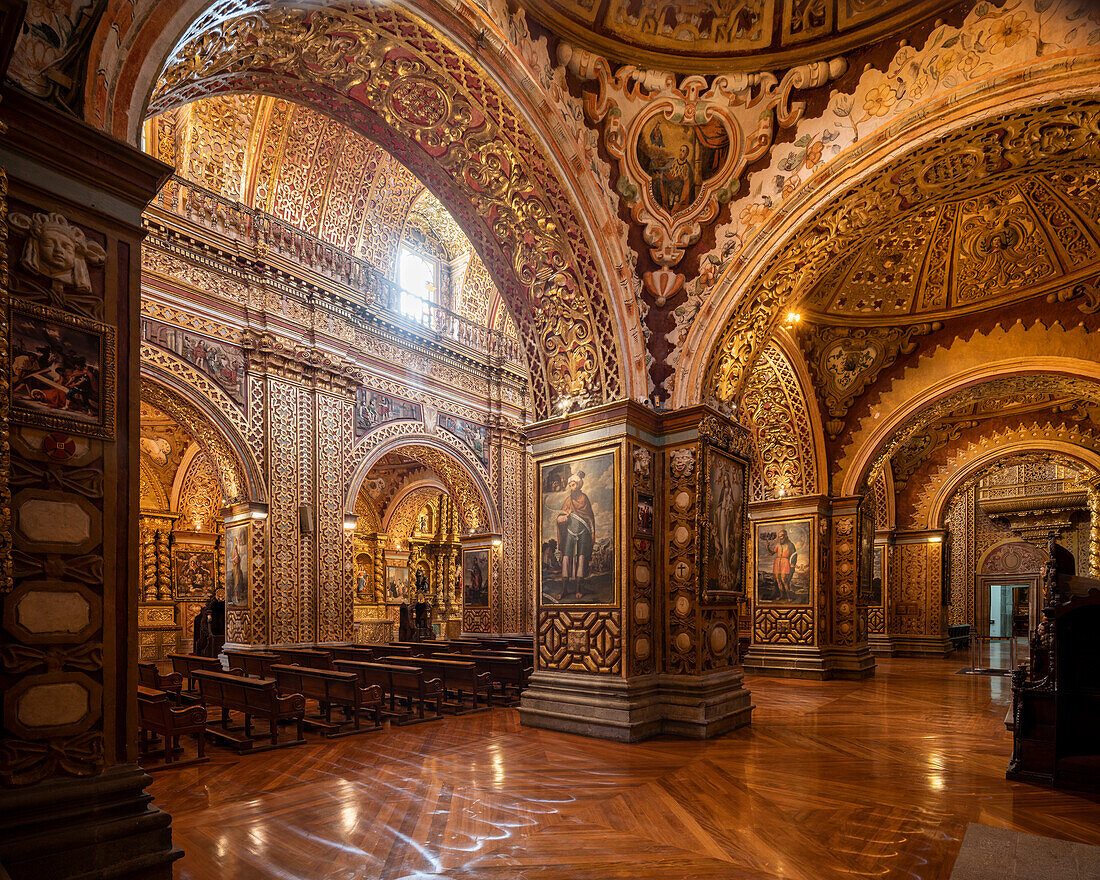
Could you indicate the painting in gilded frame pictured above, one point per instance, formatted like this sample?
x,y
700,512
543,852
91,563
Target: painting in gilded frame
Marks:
x,y
866,551
475,578
878,575
62,371
397,583
578,513
784,561
237,565
724,502
194,570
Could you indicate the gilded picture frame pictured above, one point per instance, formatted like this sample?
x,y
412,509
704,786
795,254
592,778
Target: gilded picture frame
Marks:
x,y
722,533
784,559
588,577
62,371
477,573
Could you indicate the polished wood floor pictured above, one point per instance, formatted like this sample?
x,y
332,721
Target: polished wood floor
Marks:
x,y
832,780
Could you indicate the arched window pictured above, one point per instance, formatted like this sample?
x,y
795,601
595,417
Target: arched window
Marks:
x,y
417,275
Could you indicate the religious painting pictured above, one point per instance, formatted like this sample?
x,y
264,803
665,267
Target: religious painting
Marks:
x,y
397,583
680,158
865,552
473,435
363,568
237,565
475,578
374,408
784,556
62,371
577,517
724,485
878,575
643,515
194,573
223,363
692,25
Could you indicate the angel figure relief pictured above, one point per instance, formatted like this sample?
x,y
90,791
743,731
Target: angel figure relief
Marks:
x,y
58,250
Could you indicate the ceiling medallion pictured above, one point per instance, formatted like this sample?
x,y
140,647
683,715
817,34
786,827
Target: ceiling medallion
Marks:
x,y
417,101
682,148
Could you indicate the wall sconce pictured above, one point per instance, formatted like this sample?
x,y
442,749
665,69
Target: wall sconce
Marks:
x,y
935,539
350,522
497,542
259,515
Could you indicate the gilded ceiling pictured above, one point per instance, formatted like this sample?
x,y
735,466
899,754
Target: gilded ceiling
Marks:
x,y
1006,243
317,174
710,36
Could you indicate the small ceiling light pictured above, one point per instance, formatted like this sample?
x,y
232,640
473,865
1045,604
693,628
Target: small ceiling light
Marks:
x,y
793,317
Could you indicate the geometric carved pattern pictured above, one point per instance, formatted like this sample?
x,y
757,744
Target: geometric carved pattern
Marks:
x,y
581,641
845,630
784,626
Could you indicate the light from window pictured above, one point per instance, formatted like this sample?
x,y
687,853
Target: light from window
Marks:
x,y
416,275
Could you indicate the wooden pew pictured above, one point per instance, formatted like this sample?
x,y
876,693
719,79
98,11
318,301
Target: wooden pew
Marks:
x,y
353,652
254,663
186,664
169,682
458,676
510,671
250,696
311,657
157,715
409,683
332,688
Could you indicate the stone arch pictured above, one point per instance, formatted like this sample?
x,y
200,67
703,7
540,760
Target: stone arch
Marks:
x,y
466,480
488,151
789,452
1080,446
846,198
211,432
938,380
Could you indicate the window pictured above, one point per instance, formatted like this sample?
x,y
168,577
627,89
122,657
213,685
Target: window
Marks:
x,y
416,275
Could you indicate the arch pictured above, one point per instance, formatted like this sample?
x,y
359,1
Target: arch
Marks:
x,y
407,489
466,481
238,477
930,386
979,569
488,151
850,194
972,464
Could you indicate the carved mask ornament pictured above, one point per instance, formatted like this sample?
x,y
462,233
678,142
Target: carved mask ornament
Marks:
x,y
57,249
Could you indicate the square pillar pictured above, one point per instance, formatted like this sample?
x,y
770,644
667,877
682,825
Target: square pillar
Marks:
x,y
915,609
636,630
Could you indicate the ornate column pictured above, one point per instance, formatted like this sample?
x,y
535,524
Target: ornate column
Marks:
x,y
1094,527
916,608
642,637
74,799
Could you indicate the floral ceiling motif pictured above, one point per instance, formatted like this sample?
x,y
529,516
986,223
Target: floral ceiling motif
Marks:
x,y
718,36
394,80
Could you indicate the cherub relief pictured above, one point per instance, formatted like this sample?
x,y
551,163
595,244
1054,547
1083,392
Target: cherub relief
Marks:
x,y
58,250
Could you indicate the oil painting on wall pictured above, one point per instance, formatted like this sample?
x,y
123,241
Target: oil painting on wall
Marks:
x,y
397,583
475,578
784,562
373,408
866,550
577,517
223,363
877,572
236,566
725,503
194,573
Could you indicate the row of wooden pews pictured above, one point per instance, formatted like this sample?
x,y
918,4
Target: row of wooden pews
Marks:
x,y
403,682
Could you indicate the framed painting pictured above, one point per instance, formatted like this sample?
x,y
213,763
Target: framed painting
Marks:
x,y
237,565
578,516
194,572
878,575
62,371
397,583
643,515
475,578
722,548
784,561
865,552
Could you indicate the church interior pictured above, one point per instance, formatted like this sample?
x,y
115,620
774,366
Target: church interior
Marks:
x,y
567,438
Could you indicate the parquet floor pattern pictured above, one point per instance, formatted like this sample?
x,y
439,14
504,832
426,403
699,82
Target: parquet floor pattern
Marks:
x,y
832,780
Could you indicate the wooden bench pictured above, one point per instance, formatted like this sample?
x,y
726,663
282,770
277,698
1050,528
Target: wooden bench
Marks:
x,y
169,682
408,683
332,688
458,677
353,652
186,664
254,663
157,715
250,696
310,657
509,671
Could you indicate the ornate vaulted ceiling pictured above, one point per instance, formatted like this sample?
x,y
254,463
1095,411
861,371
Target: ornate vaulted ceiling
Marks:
x,y
950,255
711,36
317,174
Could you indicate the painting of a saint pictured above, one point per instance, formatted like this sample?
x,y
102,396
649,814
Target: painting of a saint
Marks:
x,y
236,566
397,583
194,573
784,562
877,575
475,578
578,531
679,159
726,510
866,519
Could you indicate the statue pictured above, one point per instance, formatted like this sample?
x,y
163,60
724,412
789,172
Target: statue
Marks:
x,y
57,249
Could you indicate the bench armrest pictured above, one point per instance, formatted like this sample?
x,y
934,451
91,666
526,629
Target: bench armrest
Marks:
x,y
372,693
290,703
432,686
188,715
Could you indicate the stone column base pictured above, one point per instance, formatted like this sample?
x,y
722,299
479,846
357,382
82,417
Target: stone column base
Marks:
x,y
916,646
103,826
810,661
880,644
629,710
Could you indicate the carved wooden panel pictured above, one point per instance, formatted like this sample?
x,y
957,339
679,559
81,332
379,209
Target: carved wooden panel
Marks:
x,y
784,626
580,641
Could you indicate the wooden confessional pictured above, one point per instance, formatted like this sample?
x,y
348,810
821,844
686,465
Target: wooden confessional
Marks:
x,y
1056,696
